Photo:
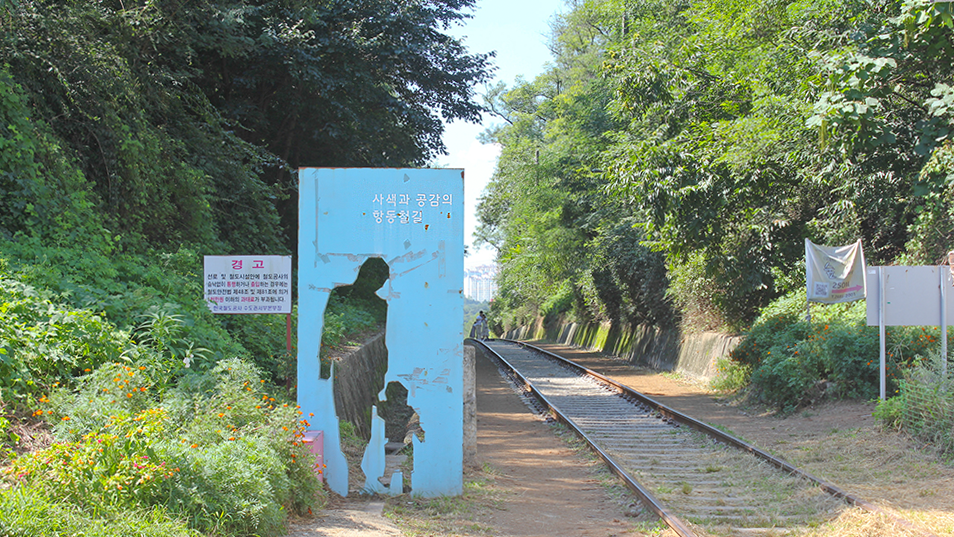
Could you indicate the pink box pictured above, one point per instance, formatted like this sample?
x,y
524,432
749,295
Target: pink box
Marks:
x,y
315,440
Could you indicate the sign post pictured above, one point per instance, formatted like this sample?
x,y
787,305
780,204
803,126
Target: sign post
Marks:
x,y
242,284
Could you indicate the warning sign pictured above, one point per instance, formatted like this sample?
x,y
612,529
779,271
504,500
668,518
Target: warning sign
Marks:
x,y
248,283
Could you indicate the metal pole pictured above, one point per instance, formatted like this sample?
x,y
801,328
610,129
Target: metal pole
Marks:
x,y
943,278
944,284
288,333
881,330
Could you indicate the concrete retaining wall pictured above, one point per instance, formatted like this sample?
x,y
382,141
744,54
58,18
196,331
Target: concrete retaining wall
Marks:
x,y
665,350
359,377
470,408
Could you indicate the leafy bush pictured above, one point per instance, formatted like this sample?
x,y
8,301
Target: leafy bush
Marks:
x,y
169,352
237,450
890,411
42,193
851,358
559,302
42,342
8,438
115,391
263,337
787,374
216,450
730,376
795,362
230,487
333,329
345,316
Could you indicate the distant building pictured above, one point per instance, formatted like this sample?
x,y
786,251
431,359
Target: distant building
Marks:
x,y
479,283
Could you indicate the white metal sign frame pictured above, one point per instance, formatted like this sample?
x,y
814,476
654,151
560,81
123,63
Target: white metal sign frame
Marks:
x,y
908,296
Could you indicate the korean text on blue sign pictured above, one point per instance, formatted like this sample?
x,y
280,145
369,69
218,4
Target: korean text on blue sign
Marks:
x,y
248,283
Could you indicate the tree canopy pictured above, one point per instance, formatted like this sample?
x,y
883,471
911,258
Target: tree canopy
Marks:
x,y
173,122
672,159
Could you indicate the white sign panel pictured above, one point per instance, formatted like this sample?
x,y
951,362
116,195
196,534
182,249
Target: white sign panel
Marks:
x,y
912,295
909,296
248,283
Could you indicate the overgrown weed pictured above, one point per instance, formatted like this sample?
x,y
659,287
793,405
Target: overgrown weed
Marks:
x,y
216,450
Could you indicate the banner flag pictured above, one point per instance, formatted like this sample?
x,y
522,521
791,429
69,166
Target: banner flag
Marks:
x,y
834,274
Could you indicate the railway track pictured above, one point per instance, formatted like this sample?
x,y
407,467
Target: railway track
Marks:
x,y
697,479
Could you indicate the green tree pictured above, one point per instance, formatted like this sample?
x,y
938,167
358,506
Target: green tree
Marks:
x,y
162,165
725,132
887,108
333,83
544,205
187,119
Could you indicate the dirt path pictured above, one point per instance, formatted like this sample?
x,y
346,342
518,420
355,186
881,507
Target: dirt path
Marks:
x,y
550,492
347,518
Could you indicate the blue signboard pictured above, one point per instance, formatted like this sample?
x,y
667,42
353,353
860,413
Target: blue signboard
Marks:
x,y
413,220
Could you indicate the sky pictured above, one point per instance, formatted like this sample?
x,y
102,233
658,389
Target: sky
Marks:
x,y
517,30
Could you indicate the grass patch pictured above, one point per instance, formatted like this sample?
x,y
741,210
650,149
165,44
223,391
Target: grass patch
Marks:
x,y
886,467
730,376
449,516
28,512
853,522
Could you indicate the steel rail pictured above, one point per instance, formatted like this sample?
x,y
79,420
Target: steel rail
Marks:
x,y
705,428
683,419
671,520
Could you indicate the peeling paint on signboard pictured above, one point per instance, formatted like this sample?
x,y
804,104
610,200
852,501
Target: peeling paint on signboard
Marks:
x,y
413,220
